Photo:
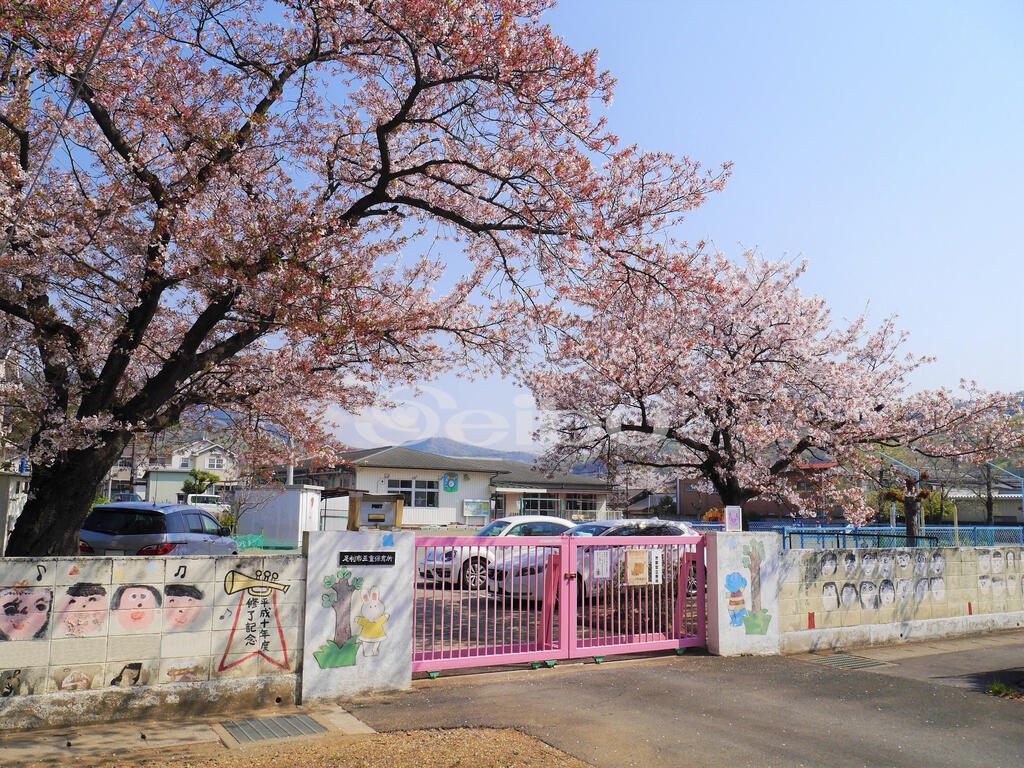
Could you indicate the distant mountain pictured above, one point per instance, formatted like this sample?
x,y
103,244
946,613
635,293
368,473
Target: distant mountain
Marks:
x,y
445,446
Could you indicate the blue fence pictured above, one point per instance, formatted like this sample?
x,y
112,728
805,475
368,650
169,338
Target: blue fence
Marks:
x,y
810,535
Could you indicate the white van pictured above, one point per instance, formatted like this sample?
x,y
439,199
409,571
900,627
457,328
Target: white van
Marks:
x,y
208,502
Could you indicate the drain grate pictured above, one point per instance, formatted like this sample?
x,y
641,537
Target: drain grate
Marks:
x,y
846,661
273,728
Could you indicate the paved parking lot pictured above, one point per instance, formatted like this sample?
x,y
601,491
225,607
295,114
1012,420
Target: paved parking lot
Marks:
x,y
748,711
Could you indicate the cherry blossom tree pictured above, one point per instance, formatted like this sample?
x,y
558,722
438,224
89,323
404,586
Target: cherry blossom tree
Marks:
x,y
240,210
729,372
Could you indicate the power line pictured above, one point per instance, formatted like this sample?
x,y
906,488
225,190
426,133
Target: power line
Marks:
x,y
60,125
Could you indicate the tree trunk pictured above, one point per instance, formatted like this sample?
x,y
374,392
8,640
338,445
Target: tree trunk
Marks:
x,y
989,501
342,612
910,504
755,578
60,497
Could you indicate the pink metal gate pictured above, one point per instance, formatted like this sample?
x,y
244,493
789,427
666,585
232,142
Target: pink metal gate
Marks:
x,y
488,601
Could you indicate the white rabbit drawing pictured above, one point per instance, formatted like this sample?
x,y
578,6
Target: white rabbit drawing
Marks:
x,y
371,621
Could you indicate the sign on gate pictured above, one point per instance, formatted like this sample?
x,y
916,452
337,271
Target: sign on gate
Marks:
x,y
637,566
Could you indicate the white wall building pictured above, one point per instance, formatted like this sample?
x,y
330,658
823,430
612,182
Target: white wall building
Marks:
x,y
442,490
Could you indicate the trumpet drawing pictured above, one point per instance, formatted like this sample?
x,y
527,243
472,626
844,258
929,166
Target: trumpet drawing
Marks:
x,y
259,586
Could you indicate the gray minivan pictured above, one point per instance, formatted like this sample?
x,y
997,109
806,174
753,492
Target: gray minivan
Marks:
x,y
138,528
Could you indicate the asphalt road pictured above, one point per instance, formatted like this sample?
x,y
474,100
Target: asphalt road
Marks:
x,y
925,706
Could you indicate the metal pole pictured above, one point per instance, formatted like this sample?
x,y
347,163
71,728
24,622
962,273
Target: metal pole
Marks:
x,y
1012,474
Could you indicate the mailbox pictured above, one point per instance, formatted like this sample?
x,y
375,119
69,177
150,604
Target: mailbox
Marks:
x,y
368,510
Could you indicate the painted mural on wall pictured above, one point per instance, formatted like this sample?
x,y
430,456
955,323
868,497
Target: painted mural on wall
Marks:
x,y
359,617
737,604
756,621
90,623
256,630
135,606
357,623
182,605
24,612
83,610
905,584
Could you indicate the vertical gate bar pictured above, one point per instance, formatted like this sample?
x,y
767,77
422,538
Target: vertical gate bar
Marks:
x,y
701,576
566,565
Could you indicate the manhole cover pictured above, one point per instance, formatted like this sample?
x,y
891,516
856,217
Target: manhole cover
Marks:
x,y
273,728
846,661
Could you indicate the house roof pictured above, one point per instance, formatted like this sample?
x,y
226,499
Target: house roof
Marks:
x,y
507,473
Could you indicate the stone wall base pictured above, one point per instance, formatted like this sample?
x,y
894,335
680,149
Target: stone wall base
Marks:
x,y
863,635
55,710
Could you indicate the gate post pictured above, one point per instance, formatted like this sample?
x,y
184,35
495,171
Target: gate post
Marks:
x,y
743,592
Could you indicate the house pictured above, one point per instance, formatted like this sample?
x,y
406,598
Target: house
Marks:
x,y
441,490
164,471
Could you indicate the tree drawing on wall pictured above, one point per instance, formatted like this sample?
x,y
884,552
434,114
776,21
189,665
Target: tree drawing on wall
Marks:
x,y
341,650
757,621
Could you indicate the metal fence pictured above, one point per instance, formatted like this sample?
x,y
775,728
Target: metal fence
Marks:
x,y
487,601
812,534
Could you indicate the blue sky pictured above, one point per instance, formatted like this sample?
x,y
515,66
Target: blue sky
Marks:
x,y
884,142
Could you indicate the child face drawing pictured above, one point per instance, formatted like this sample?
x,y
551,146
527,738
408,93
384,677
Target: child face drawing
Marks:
x,y
81,613
984,561
938,587
868,593
849,595
938,564
24,613
902,559
828,564
849,562
870,563
829,596
997,562
887,593
920,564
885,563
181,610
136,608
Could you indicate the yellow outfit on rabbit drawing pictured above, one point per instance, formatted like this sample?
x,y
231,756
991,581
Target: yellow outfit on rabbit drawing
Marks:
x,y
372,630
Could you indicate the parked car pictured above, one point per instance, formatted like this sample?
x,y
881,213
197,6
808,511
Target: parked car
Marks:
x,y
126,497
208,502
523,576
136,528
468,565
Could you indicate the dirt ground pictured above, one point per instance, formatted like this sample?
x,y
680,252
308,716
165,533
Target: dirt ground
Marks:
x,y
457,748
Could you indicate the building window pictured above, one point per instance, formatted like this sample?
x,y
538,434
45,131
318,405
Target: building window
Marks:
x,y
580,502
124,463
215,462
417,493
184,463
540,505
403,487
425,494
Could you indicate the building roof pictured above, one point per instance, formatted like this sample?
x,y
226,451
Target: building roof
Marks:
x,y
507,473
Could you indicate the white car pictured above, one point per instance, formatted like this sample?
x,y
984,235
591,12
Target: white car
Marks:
x,y
522,576
467,565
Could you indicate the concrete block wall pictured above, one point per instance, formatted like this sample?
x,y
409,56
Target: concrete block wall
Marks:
x,y
72,625
836,599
